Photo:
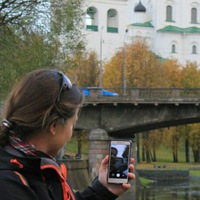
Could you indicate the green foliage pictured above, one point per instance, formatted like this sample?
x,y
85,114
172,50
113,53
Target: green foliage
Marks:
x,y
21,13
20,55
72,145
29,41
84,69
67,23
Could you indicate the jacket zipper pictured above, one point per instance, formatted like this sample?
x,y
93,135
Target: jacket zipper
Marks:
x,y
15,161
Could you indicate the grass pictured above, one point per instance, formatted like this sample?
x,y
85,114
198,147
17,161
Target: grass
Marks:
x,y
145,182
164,157
72,147
164,154
195,173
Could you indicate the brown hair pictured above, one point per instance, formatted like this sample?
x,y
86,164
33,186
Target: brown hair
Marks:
x,y
32,104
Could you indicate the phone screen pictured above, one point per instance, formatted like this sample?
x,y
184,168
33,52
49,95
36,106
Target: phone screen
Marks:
x,y
119,161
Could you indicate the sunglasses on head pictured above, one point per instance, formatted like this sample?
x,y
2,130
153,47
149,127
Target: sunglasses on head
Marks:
x,y
66,84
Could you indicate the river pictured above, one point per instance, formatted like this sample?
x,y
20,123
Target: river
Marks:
x,y
179,190
189,190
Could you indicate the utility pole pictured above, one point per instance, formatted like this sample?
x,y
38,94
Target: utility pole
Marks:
x,y
101,64
124,64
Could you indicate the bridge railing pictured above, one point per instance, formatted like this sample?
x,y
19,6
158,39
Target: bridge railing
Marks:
x,y
164,92
147,95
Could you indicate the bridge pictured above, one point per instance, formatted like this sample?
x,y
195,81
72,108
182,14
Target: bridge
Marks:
x,y
142,109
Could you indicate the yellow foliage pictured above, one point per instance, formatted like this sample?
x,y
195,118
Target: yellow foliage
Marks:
x,y
191,76
112,77
172,73
84,69
143,68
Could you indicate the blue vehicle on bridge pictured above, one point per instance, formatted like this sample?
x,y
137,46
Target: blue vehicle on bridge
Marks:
x,y
101,92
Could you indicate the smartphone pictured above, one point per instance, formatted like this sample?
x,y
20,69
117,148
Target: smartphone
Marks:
x,y
119,159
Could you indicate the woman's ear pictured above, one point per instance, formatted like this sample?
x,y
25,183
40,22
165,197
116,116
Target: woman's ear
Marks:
x,y
52,128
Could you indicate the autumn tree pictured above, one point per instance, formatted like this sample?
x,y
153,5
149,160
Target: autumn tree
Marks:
x,y
191,79
146,147
83,69
112,76
176,135
190,76
143,68
151,141
155,140
173,138
172,76
186,137
195,141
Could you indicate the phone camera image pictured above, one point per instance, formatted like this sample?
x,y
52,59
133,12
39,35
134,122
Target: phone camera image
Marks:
x,y
119,162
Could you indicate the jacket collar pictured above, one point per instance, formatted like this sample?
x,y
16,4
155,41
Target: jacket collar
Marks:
x,y
12,159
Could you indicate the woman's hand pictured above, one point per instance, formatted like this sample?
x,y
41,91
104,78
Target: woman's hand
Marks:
x,y
116,189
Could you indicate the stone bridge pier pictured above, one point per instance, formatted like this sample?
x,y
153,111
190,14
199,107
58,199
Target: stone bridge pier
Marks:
x,y
98,149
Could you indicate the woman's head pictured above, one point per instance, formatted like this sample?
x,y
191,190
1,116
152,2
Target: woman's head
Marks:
x,y
41,98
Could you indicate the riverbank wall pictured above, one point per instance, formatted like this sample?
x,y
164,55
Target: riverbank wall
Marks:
x,y
164,174
77,173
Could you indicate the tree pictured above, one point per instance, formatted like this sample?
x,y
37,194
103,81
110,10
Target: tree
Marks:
x,y
191,79
146,153
155,140
84,69
172,75
143,68
66,24
21,12
186,136
151,141
191,76
175,140
29,41
112,76
21,55
195,141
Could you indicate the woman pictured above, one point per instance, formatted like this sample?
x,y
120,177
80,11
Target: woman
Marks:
x,y
39,116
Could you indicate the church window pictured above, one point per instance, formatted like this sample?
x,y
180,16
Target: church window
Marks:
x,y
194,15
194,49
173,48
112,21
169,13
92,19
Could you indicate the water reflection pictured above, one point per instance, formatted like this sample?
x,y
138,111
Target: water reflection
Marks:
x,y
180,190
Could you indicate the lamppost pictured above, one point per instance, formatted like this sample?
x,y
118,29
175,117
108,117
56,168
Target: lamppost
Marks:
x,y
124,64
100,56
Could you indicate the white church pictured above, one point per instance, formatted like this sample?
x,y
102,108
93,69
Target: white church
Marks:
x,y
171,28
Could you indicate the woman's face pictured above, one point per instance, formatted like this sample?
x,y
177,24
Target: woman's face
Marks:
x,y
63,133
